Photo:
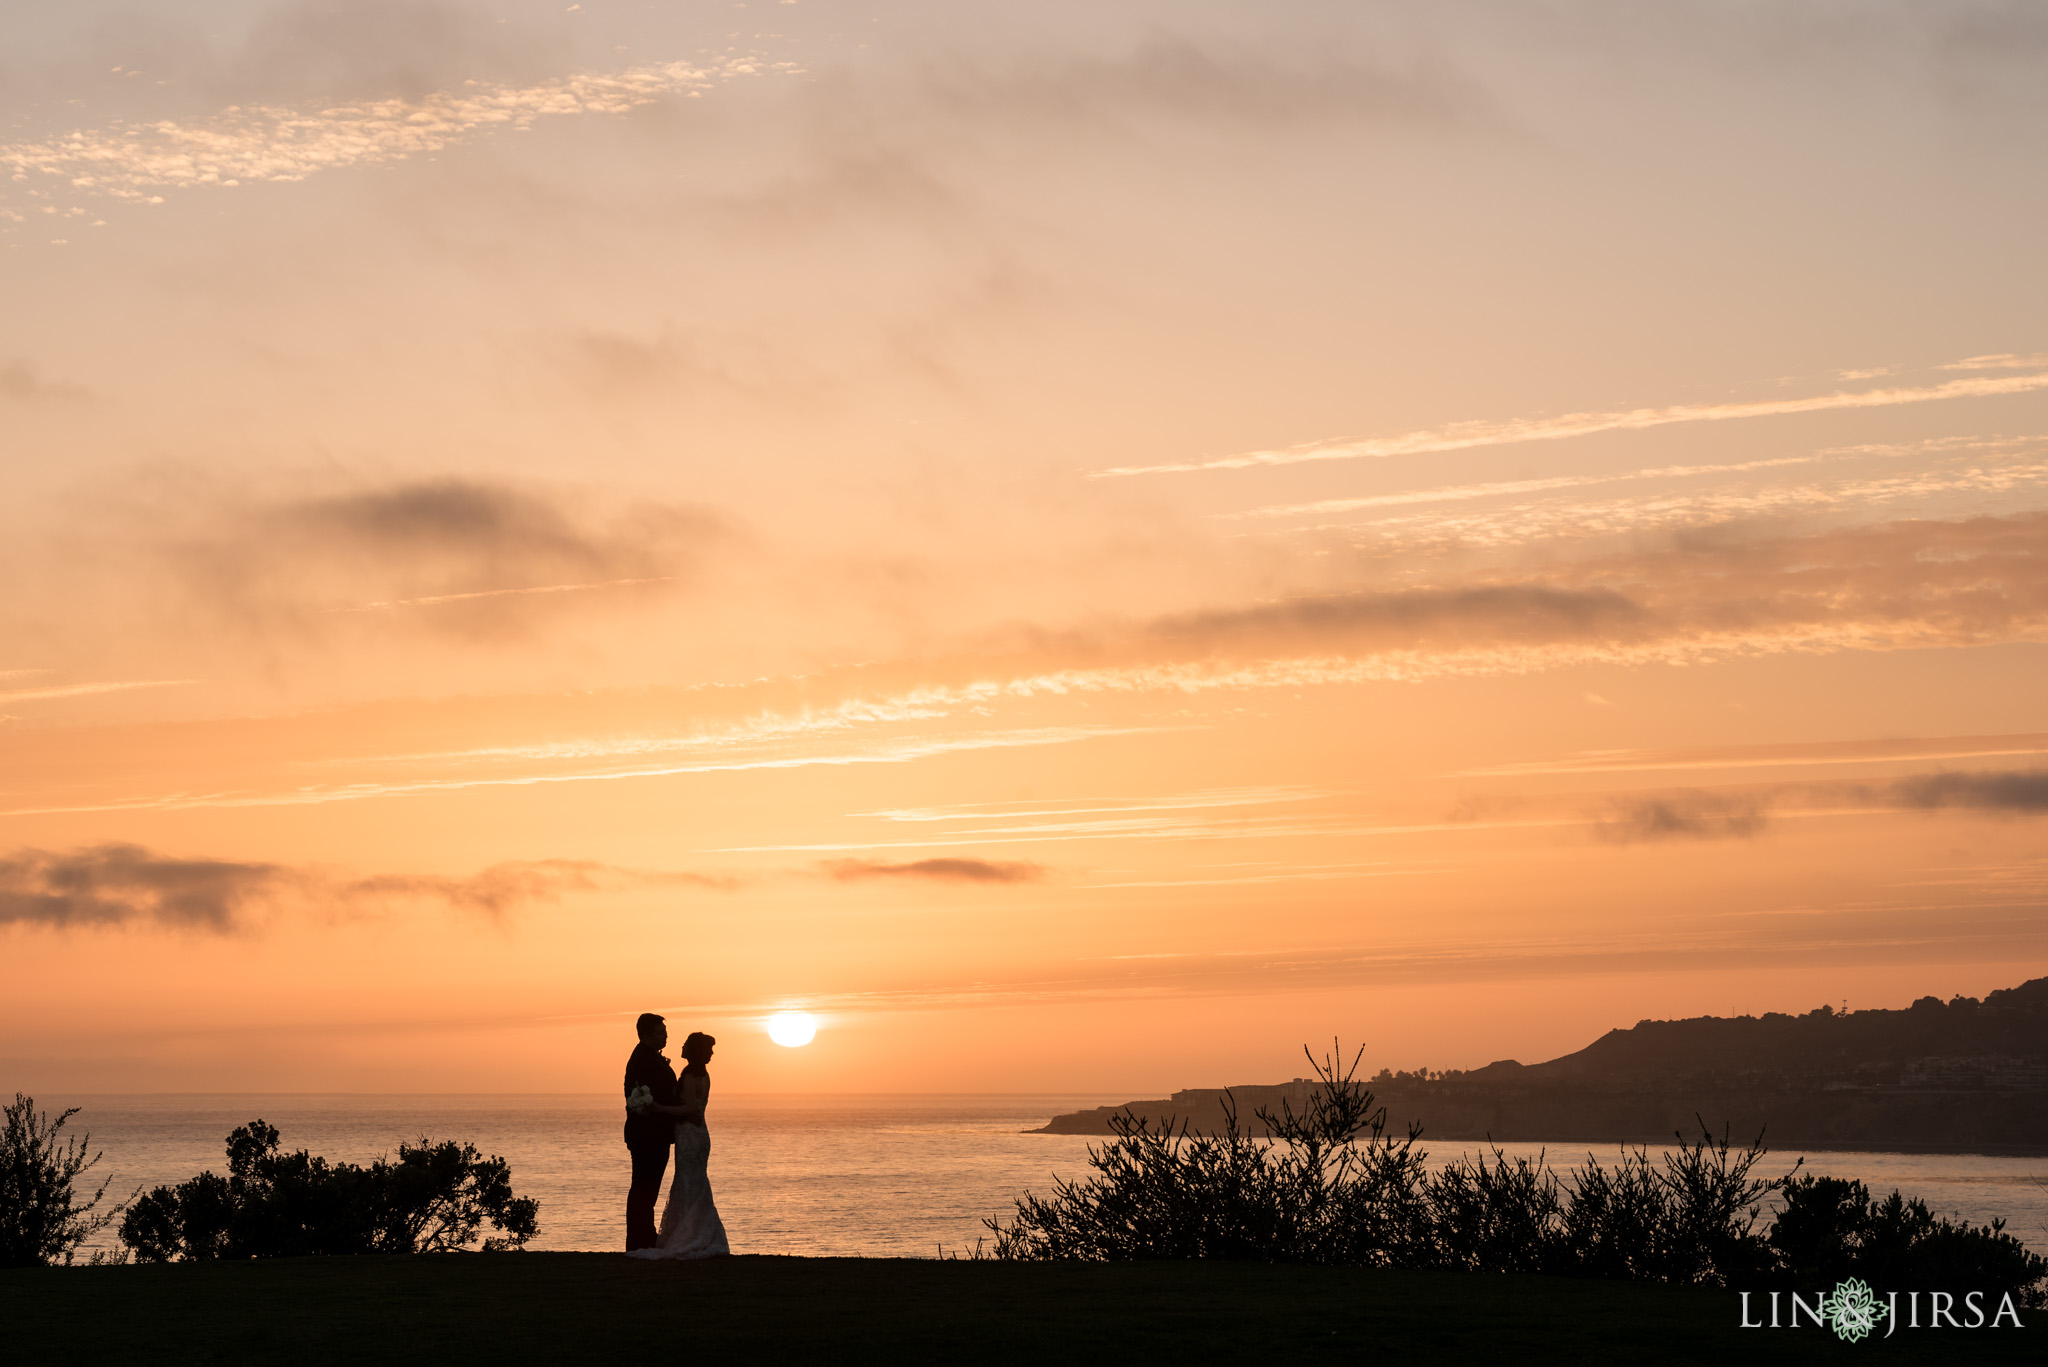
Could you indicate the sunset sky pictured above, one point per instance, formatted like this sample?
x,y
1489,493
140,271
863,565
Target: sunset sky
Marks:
x,y
1086,545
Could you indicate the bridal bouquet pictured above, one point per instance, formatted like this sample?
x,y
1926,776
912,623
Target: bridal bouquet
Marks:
x,y
640,1100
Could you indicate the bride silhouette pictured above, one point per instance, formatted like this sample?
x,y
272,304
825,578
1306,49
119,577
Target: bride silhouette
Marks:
x,y
690,1227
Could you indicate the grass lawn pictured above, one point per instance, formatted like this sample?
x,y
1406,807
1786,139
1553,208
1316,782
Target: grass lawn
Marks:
x,y
567,1308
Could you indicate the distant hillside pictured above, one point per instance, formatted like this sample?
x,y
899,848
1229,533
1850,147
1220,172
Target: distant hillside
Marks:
x,y
1962,1075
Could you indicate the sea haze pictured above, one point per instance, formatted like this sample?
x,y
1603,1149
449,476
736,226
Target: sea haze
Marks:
x,y
878,1175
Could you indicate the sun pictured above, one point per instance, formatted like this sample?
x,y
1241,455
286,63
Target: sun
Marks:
x,y
792,1029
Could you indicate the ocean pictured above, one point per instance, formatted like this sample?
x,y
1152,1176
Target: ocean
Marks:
x,y
870,1175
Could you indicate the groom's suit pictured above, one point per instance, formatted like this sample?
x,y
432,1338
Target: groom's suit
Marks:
x,y
648,1138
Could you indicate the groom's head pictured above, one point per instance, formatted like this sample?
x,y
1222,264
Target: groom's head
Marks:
x,y
653,1030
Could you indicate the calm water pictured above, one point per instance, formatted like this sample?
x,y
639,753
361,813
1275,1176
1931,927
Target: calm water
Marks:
x,y
874,1175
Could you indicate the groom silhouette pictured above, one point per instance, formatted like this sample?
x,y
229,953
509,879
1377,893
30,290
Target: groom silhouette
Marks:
x,y
649,1135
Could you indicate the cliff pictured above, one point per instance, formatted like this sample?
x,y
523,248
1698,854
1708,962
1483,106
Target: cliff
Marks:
x,y
1962,1075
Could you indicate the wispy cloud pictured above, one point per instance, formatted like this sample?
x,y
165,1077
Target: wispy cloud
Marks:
x,y
1466,435
766,727
2003,360
936,870
1161,828
990,811
1797,753
80,690
247,145
894,752
1318,873
1503,488
1901,585
1901,934
438,598
1915,583
1904,584
1540,519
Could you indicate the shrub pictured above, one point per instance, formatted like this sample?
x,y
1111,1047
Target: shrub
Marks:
x,y
40,1219
435,1198
1504,1216
1689,1218
1830,1229
1333,1186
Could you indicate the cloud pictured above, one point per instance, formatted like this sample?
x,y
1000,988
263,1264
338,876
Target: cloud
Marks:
x,y
436,599
339,50
615,366
451,555
1826,937
1447,617
2013,791
1685,815
80,690
1702,596
1986,482
1791,754
1500,488
493,892
119,884
909,131
487,521
1462,436
110,884
1308,827
1210,79
133,160
1698,597
901,751
1038,810
20,380
1723,814
937,870
1695,599
2003,360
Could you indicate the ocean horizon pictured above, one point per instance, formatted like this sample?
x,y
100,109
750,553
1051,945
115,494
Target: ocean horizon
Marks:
x,y
867,1174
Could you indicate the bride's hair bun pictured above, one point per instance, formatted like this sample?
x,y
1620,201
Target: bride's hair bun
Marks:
x,y
696,1038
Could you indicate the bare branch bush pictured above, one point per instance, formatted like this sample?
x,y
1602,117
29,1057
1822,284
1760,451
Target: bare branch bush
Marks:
x,y
42,1220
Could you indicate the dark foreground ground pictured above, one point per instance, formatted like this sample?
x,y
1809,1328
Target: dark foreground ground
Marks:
x,y
569,1308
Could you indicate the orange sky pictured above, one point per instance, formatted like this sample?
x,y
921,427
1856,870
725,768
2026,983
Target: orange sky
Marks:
x,y
1087,546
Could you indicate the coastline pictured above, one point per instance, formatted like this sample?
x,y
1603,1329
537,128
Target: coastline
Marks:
x,y
1085,1125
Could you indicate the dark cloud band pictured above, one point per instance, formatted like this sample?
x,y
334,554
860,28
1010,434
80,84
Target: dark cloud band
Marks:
x,y
119,884
937,870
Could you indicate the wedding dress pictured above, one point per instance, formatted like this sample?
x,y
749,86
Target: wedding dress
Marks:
x,y
690,1227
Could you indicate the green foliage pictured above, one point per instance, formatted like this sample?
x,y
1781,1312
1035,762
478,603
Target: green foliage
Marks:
x,y
41,1220
435,1198
1333,1186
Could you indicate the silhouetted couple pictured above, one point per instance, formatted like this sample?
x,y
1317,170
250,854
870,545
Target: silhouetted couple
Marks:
x,y
664,1111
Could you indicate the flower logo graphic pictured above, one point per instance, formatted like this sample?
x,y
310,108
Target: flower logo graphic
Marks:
x,y
1852,1311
